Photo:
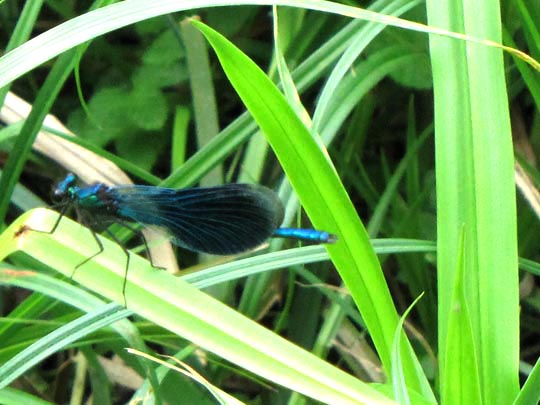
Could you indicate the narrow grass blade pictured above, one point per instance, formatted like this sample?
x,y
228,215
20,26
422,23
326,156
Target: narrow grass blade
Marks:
x,y
475,189
462,378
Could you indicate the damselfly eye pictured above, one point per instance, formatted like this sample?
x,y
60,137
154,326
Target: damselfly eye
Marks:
x,y
58,195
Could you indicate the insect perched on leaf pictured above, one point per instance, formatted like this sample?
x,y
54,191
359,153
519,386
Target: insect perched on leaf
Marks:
x,y
221,220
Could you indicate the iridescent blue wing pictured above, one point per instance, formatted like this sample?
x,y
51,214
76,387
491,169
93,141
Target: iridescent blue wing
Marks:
x,y
220,220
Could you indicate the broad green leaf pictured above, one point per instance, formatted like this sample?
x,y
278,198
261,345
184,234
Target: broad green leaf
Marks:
x,y
322,194
181,308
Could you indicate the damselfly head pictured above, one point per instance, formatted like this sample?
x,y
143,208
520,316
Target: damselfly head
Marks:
x,y
62,188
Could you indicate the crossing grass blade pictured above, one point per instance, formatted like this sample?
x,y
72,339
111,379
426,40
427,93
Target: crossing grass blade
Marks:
x,y
323,196
175,305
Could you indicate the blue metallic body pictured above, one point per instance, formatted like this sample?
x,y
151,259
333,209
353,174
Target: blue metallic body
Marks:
x,y
226,219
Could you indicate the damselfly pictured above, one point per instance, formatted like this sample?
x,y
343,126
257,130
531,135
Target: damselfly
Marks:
x,y
221,220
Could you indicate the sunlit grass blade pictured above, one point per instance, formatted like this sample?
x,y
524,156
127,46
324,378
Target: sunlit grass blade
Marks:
x,y
181,308
476,192
401,394
530,392
22,32
188,371
58,339
12,396
84,28
462,378
325,200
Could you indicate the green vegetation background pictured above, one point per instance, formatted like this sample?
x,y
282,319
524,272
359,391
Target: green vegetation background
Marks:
x,y
419,136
